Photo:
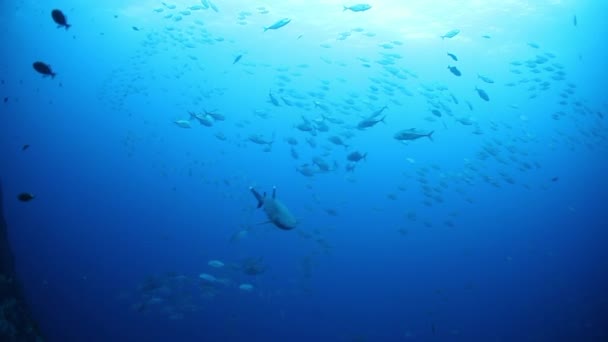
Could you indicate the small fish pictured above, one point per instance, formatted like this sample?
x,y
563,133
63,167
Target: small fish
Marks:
x,y
215,263
412,134
336,140
135,28
451,34
182,123
306,170
486,36
370,122
237,59
377,112
44,69
356,156
454,70
60,19
574,21
213,7
469,105
278,24
436,113
203,119
482,94
260,140
286,101
454,98
358,7
533,45
216,116
170,6
555,179
305,126
5,99
25,197
333,120
453,56
25,147
321,164
465,121
273,99
485,79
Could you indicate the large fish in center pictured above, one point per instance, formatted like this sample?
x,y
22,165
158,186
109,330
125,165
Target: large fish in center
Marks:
x,y
277,212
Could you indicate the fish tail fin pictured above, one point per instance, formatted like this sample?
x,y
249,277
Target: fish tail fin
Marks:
x,y
345,8
53,74
67,26
430,135
384,117
265,29
257,196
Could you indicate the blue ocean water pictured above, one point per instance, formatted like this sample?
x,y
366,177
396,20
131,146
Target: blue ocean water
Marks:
x,y
143,227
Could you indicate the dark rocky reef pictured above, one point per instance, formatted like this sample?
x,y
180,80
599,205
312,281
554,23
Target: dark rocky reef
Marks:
x,y
16,323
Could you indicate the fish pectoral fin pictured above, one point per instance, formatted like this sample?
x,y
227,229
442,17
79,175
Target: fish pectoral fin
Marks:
x,y
257,196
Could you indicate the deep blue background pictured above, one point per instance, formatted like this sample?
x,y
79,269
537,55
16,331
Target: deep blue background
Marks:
x,y
122,193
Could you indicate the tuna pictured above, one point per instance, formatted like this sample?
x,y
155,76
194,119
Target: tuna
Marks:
x,y
260,140
215,116
454,70
412,134
482,94
336,140
277,212
203,119
451,34
356,156
182,123
485,79
369,122
278,24
378,112
371,119
273,99
358,7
